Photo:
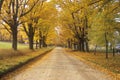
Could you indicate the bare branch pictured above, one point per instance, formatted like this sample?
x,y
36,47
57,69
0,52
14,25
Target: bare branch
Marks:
x,y
22,14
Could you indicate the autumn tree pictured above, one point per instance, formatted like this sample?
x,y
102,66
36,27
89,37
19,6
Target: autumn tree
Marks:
x,y
12,12
76,20
32,19
104,25
47,23
38,23
81,16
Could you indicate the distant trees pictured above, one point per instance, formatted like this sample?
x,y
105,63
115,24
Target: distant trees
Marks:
x,y
105,24
91,22
46,24
77,21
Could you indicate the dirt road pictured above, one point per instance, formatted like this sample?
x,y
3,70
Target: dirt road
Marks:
x,y
59,66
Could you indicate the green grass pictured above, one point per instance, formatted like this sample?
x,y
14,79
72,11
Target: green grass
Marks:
x,y
8,45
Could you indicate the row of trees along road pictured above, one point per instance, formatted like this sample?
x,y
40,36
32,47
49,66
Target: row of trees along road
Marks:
x,y
82,22
32,16
89,22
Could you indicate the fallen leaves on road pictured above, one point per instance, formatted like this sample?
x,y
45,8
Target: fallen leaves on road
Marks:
x,y
111,65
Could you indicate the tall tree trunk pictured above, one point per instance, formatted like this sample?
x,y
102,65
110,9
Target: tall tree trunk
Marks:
x,y
14,38
68,43
74,45
82,39
71,43
106,42
40,43
87,46
30,42
79,45
36,44
31,36
82,45
86,33
40,38
44,41
95,49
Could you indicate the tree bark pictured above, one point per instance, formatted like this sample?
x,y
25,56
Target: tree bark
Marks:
x,y
31,36
14,38
44,41
71,43
79,45
68,43
95,50
74,45
87,46
106,42
40,43
82,46
30,42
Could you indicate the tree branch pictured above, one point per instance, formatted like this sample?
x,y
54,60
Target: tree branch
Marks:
x,y
94,2
7,28
25,30
22,14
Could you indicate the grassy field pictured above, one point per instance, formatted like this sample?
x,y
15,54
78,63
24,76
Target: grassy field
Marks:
x,y
8,45
112,64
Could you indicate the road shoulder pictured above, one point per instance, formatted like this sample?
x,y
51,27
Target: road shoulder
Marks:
x,y
109,74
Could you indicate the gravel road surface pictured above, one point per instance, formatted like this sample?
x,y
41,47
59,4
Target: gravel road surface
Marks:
x,y
57,65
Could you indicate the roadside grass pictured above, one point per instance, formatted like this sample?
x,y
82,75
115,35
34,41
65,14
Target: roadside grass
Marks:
x,y
8,45
9,58
112,64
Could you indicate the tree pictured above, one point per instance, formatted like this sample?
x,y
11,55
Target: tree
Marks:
x,y
83,15
38,23
46,23
30,26
104,24
12,12
76,20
